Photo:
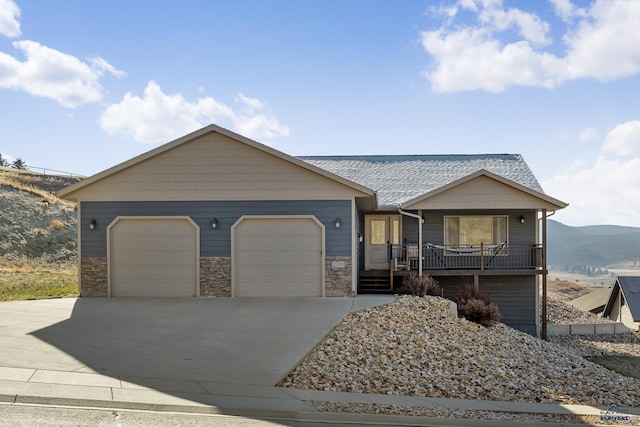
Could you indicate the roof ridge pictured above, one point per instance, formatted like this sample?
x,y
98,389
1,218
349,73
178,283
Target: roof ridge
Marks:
x,y
406,155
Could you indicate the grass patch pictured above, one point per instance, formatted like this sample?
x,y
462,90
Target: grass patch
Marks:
x,y
29,283
629,366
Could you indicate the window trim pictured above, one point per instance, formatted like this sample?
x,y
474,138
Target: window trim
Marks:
x,y
492,217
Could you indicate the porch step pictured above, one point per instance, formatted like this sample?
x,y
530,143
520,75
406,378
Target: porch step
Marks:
x,y
374,282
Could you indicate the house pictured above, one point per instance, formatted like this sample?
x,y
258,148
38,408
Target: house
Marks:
x,y
593,302
216,214
623,304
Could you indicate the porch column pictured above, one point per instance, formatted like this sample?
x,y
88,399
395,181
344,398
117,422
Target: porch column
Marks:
x,y
544,274
420,220
420,242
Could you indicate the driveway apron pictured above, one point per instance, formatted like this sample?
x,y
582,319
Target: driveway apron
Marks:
x,y
226,340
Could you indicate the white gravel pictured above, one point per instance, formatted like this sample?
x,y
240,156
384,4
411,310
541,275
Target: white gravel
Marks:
x,y
562,312
416,347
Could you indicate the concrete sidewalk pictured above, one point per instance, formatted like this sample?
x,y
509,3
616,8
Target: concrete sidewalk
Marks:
x,y
36,386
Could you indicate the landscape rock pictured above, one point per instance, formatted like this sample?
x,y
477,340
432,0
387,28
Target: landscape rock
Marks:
x,y
564,313
417,347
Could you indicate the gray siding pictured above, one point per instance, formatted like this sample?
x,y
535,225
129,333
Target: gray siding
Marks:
x,y
217,243
433,227
515,297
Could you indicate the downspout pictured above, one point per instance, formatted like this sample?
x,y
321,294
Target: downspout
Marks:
x,y
420,222
544,274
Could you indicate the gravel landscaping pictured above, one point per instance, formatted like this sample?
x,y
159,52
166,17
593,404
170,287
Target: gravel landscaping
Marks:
x,y
561,312
417,347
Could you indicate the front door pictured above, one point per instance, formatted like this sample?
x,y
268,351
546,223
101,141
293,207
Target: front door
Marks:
x,y
380,231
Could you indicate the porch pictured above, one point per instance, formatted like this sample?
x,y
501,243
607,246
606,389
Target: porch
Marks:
x,y
503,259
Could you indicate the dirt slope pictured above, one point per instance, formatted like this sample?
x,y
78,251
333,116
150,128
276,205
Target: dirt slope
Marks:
x,y
36,228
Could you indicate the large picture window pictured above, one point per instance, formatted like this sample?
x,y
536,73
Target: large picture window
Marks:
x,y
466,231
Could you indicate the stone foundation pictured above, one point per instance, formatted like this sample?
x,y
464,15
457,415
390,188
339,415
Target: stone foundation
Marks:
x,y
93,277
338,277
215,277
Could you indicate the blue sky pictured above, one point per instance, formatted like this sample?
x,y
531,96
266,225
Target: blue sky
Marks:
x,y
87,85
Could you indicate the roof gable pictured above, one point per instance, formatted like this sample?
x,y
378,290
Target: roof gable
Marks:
x,y
483,190
630,286
402,180
213,164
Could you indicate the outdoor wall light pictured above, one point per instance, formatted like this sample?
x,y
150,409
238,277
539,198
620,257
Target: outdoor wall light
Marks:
x,y
337,223
360,238
92,224
214,223
521,219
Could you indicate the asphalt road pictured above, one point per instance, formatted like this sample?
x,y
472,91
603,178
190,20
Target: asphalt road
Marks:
x,y
53,416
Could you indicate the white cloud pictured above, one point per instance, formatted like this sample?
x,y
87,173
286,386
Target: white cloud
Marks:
x,y
605,45
606,191
588,134
250,104
481,56
53,74
9,18
260,126
624,139
157,117
530,27
567,10
100,66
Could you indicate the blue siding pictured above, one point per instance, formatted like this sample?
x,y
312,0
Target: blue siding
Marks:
x,y
433,228
217,243
515,297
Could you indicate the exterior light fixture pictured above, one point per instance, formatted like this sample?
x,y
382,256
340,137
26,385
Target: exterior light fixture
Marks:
x,y
360,238
521,219
214,223
92,224
337,223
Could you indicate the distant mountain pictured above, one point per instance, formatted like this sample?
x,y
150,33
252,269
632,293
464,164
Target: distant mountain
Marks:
x,y
593,246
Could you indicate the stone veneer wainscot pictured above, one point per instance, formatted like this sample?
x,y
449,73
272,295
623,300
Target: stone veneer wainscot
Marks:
x,y
215,277
93,277
338,281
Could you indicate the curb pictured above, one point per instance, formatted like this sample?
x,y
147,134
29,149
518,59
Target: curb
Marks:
x,y
318,417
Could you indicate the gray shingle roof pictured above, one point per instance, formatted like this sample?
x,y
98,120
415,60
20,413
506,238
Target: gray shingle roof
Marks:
x,y
400,178
631,290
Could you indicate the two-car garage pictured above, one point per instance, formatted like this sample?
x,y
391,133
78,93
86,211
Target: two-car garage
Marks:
x,y
271,256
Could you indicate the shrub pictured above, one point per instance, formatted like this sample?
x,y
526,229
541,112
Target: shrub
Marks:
x,y
415,285
476,307
57,224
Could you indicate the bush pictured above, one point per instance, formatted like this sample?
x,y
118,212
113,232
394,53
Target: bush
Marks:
x,y
476,307
415,285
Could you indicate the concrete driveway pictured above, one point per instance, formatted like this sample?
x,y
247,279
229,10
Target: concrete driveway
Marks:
x,y
227,340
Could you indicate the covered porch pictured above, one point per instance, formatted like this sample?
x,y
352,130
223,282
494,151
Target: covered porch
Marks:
x,y
438,261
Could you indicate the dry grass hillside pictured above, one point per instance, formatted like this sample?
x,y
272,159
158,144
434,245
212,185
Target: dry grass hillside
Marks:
x,y
38,249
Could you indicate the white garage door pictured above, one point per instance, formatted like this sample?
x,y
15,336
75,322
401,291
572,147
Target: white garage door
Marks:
x,y
278,257
153,257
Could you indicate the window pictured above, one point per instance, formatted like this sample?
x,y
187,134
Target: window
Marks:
x,y
460,231
395,231
378,232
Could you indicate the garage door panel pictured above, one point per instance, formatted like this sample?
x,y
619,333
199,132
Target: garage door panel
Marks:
x,y
153,257
278,257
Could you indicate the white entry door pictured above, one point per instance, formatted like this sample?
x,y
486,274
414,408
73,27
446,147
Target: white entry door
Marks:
x,y
380,232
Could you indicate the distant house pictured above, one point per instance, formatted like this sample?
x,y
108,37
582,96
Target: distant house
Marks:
x,y
216,214
593,302
624,302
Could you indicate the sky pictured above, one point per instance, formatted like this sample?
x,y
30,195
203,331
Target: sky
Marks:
x,y
86,85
